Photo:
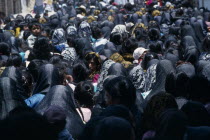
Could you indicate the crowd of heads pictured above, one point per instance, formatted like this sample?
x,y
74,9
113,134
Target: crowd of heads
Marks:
x,y
98,70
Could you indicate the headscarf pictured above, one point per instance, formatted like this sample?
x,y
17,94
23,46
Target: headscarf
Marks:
x,y
71,31
164,67
171,125
70,55
104,73
196,113
117,69
9,97
84,30
190,51
58,36
48,77
138,78
62,96
113,128
198,30
120,29
188,69
15,75
106,31
198,133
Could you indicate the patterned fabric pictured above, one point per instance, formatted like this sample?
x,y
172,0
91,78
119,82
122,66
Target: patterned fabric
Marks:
x,y
151,77
104,72
69,54
138,78
84,29
58,36
205,56
71,30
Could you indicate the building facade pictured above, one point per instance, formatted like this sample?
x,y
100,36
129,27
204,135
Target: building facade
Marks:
x,y
10,6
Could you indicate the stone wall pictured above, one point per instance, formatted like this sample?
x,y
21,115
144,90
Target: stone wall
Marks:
x,y
10,6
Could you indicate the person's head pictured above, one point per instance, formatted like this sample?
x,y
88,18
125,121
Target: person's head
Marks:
x,y
139,53
46,32
156,105
42,48
83,93
114,128
147,58
171,124
120,90
25,124
116,38
155,47
154,34
35,29
4,48
56,117
140,34
96,32
71,41
80,72
14,60
196,113
93,61
130,45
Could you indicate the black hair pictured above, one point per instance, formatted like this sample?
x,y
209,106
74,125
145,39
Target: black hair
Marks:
x,y
34,24
4,49
116,38
71,41
96,32
147,58
23,124
157,105
83,93
14,60
155,47
26,34
122,89
141,34
154,34
178,84
80,72
42,48
95,59
130,45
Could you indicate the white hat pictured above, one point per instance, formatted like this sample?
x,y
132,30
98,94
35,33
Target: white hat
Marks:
x,y
138,53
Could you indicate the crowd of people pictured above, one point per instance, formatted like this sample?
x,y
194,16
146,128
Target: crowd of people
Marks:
x,y
100,70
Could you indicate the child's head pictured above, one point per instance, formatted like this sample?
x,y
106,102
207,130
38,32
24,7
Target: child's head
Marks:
x,y
35,29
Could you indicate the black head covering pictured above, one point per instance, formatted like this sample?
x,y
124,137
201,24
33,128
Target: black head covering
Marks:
x,y
188,69
15,75
62,96
171,125
187,30
198,133
106,31
119,19
164,67
48,77
9,97
190,51
117,69
113,128
196,113
198,30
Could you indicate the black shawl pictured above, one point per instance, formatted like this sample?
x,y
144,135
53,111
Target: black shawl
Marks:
x,y
61,96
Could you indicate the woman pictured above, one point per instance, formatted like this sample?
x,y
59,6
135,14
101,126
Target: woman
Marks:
x,y
93,61
48,77
83,94
9,97
62,96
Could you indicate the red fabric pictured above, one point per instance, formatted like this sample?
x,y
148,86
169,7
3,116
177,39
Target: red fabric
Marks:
x,y
95,78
